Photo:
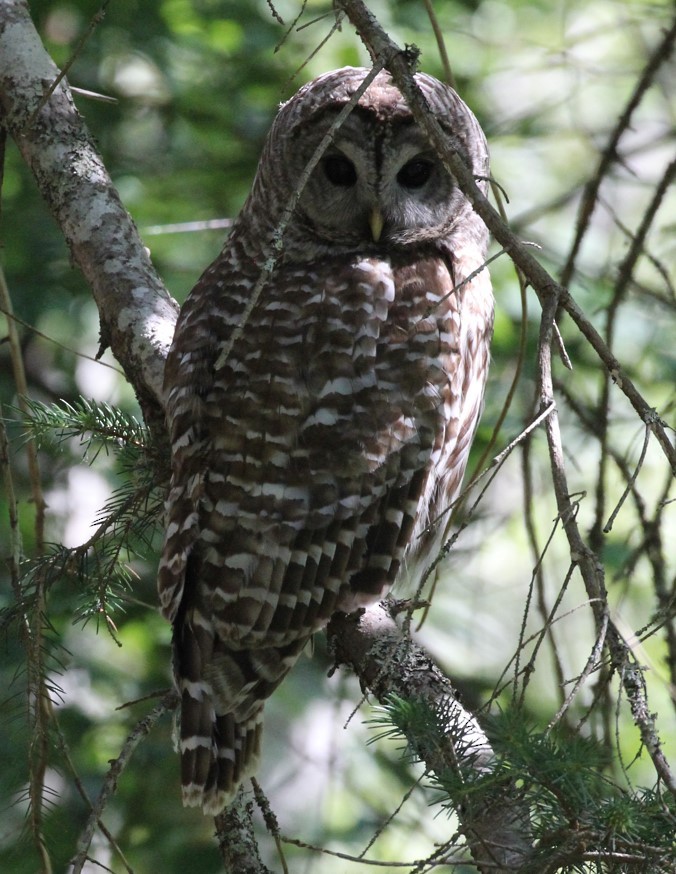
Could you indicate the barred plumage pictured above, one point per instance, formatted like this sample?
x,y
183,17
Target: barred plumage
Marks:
x,y
309,459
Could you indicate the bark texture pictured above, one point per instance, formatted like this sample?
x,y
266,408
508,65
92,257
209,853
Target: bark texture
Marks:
x,y
137,314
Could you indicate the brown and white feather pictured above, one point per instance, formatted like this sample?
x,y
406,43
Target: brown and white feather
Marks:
x,y
308,462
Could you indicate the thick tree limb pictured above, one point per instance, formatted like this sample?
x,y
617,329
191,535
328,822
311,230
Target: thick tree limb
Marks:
x,y
137,314
495,821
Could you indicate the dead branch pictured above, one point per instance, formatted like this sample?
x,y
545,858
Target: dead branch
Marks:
x,y
117,766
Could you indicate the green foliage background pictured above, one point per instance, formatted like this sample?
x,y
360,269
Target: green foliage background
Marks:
x,y
197,85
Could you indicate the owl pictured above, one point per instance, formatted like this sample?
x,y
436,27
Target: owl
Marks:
x,y
315,449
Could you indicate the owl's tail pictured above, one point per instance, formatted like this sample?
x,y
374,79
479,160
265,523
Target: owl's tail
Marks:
x,y
217,752
222,696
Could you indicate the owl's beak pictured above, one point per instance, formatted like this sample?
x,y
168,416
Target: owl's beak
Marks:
x,y
376,223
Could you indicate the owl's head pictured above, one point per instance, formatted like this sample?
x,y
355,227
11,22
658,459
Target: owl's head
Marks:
x,y
379,181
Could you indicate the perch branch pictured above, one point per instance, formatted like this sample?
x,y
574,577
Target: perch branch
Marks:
x,y
495,822
236,838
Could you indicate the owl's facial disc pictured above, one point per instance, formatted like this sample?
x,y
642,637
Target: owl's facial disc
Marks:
x,y
380,188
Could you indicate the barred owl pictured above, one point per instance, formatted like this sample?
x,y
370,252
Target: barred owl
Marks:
x,y
312,455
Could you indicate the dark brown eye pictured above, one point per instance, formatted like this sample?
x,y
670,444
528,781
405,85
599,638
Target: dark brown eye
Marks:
x,y
340,171
415,173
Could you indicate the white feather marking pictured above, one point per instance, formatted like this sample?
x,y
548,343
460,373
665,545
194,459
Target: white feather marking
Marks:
x,y
197,690
242,561
172,528
195,742
394,515
226,508
324,416
340,386
199,620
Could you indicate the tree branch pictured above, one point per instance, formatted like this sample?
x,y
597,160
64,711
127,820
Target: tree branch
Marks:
x,y
591,568
236,838
397,61
117,766
494,820
137,314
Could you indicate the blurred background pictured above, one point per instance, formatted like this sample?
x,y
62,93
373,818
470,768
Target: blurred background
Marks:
x,y
197,85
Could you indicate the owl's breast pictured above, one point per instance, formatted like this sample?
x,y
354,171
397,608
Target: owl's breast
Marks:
x,y
341,370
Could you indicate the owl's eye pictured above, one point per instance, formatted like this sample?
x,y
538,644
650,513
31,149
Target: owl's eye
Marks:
x,y
340,171
415,173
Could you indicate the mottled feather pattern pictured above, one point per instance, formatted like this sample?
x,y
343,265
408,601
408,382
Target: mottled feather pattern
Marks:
x,y
308,462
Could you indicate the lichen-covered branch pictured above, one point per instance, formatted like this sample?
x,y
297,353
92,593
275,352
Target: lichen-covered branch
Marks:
x,y
137,314
236,838
495,822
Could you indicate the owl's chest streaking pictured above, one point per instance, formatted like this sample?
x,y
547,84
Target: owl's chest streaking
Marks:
x,y
339,359
319,448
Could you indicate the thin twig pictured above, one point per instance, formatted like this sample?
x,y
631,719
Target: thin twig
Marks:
x,y
117,766
608,527
660,55
51,88
449,511
592,664
651,545
528,669
15,557
74,352
334,27
637,246
38,698
531,534
502,683
324,851
381,47
278,234
591,568
441,43
21,384
65,752
492,469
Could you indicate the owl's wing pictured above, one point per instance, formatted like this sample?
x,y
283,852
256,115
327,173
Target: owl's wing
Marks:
x,y
205,324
